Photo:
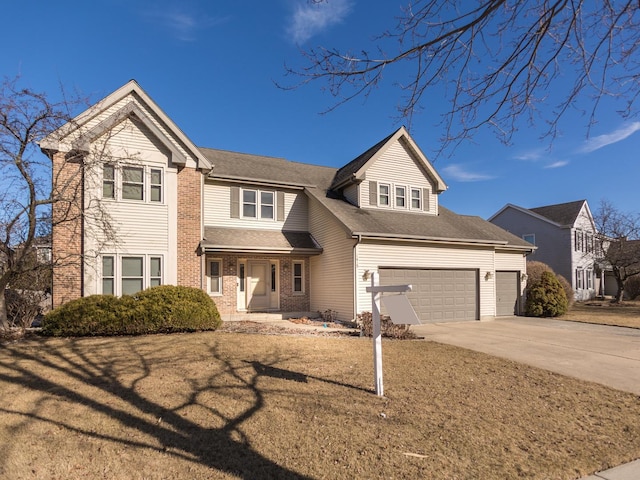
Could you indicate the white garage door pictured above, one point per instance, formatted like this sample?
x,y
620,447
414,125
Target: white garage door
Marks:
x,y
438,295
507,293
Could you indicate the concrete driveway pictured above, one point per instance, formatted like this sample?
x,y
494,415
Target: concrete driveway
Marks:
x,y
597,353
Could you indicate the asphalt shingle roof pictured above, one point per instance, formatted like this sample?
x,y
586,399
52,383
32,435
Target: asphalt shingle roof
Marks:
x,y
246,240
447,226
561,213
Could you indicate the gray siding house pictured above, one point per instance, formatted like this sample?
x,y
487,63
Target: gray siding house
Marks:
x,y
564,235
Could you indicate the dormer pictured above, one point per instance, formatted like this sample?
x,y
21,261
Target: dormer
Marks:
x,y
393,175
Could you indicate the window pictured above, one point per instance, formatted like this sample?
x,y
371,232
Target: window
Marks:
x,y
133,183
215,277
273,277
416,198
579,279
401,197
249,203
266,205
126,275
242,277
108,181
589,278
155,185
383,197
530,237
108,275
298,283
132,275
258,204
155,271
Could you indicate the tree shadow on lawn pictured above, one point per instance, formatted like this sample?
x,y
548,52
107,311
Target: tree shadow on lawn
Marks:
x,y
53,371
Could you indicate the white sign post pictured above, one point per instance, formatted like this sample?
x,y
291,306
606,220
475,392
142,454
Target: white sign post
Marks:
x,y
399,308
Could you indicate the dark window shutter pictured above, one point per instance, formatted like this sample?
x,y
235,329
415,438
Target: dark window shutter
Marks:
x,y
235,202
280,206
373,193
425,199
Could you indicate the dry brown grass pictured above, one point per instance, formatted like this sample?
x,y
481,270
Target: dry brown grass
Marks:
x,y
231,405
626,314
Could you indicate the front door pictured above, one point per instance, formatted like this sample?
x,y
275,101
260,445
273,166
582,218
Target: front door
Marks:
x,y
259,283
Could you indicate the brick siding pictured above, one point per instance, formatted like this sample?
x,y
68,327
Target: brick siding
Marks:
x,y
67,231
189,227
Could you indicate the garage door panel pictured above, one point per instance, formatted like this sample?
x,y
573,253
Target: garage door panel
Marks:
x,y
438,295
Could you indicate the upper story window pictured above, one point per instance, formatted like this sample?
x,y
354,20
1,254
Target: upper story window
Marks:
x,y
133,183
530,237
398,196
137,183
108,181
401,197
416,198
258,204
383,194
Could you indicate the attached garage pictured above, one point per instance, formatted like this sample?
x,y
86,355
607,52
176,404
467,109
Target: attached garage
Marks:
x,y
438,295
507,293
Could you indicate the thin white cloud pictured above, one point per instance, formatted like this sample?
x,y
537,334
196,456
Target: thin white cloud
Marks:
x,y
558,164
530,156
459,173
182,25
616,136
311,18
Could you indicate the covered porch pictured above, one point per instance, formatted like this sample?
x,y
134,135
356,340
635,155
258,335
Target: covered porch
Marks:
x,y
257,271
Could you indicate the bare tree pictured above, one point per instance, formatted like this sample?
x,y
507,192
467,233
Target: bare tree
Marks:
x,y
618,244
35,196
497,61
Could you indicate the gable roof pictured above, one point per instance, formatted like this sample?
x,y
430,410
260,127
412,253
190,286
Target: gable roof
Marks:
x,y
561,213
77,134
355,169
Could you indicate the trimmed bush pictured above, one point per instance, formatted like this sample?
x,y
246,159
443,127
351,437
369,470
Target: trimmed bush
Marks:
x,y
632,287
534,275
546,298
163,309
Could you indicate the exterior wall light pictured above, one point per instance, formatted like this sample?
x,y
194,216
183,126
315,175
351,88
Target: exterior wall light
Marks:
x,y
488,275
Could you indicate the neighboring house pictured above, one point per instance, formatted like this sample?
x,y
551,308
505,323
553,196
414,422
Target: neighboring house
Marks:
x,y
565,237
263,234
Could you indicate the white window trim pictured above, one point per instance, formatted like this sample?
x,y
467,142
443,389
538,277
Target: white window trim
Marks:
x,y
395,197
389,204
220,276
419,198
117,270
146,185
258,204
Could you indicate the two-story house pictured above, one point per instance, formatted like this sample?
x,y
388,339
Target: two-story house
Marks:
x,y
263,234
565,237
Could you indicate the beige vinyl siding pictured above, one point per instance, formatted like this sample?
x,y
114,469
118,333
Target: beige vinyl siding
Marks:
x,y
150,115
397,167
371,256
217,210
351,194
331,273
142,227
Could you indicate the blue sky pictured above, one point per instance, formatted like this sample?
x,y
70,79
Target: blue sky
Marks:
x,y
212,67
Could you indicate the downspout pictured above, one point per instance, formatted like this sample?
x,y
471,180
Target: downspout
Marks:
x,y
355,277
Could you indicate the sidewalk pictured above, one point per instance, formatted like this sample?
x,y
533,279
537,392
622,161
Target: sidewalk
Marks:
x,y
628,471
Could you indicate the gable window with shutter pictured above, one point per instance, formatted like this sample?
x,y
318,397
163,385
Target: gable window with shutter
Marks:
x,y
383,194
401,197
416,198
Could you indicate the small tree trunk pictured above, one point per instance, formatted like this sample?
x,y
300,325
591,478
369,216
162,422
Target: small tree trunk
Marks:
x,y
4,320
620,291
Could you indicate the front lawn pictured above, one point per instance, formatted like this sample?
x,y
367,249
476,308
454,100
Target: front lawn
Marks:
x,y
232,405
626,314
